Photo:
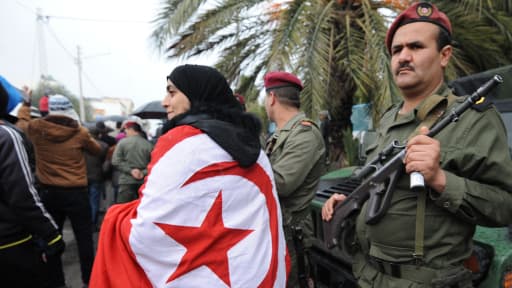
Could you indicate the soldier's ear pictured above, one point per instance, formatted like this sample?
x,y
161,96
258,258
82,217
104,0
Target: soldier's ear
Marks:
x,y
446,54
272,97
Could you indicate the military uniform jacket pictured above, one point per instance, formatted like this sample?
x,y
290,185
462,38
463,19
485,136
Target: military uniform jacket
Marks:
x,y
297,159
478,166
132,152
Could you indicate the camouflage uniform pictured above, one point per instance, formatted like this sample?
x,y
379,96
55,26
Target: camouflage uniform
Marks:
x,y
477,163
297,154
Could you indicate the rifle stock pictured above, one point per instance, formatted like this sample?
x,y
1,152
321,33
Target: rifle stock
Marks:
x,y
380,176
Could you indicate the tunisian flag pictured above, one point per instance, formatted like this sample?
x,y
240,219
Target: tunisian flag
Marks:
x,y
201,221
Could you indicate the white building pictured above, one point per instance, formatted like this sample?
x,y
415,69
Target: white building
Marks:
x,y
108,106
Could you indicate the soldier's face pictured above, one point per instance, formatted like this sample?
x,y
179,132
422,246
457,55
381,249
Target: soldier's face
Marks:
x,y
416,63
175,102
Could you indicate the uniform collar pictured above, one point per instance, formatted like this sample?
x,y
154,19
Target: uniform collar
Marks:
x,y
436,101
429,103
289,125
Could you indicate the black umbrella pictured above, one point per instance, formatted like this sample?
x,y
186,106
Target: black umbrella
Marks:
x,y
151,110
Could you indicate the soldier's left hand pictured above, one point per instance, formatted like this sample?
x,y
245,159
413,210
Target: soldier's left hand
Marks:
x,y
422,155
330,204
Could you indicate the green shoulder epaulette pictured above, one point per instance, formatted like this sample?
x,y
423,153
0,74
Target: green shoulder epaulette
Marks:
x,y
483,104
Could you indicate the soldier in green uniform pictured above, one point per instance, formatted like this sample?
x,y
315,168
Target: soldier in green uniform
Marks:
x,y
425,237
296,151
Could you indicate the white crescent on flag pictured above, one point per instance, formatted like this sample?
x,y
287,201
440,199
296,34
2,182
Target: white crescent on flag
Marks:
x,y
201,221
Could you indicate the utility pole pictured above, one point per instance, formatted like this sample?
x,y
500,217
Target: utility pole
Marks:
x,y
81,96
43,64
79,63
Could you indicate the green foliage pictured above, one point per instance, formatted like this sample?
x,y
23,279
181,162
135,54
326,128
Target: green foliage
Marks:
x,y
336,47
351,148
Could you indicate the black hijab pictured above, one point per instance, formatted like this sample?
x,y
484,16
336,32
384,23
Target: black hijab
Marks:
x,y
216,111
203,85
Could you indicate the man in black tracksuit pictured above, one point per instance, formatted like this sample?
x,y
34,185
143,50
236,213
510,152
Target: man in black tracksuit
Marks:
x,y
23,218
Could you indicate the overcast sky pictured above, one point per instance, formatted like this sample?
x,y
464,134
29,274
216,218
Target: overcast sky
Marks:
x,y
117,55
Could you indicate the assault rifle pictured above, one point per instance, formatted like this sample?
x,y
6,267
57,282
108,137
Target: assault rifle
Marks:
x,y
379,177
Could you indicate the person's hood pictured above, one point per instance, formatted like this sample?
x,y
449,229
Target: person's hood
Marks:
x,y
56,128
236,132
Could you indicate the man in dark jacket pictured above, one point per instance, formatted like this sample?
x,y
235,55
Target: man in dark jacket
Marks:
x,y
96,176
22,214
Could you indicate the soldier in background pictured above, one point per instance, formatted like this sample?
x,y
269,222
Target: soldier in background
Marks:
x,y
131,156
425,236
297,154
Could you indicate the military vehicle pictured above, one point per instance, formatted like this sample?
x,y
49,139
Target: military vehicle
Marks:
x,y
491,262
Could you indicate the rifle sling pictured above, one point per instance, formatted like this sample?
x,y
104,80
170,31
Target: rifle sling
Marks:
x,y
430,114
419,236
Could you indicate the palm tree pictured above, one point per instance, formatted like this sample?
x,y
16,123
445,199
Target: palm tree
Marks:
x,y
336,47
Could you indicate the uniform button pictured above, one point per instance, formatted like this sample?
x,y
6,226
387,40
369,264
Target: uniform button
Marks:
x,y
446,204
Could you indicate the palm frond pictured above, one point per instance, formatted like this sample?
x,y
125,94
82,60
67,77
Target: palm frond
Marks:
x,y
336,47
285,35
315,62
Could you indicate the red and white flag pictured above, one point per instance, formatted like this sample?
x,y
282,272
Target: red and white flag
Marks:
x,y
201,221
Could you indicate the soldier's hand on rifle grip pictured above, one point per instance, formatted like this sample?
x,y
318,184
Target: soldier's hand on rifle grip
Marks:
x,y
328,208
423,155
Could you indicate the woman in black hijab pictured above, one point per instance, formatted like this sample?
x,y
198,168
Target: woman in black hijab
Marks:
x,y
214,110
208,210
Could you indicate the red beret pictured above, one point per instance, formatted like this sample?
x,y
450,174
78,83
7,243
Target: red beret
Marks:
x,y
279,79
418,12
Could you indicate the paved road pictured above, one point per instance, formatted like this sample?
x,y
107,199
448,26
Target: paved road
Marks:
x,y
70,261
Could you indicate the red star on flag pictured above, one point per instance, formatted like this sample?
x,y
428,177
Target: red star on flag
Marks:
x,y
206,245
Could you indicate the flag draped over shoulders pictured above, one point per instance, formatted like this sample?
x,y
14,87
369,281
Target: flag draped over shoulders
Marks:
x,y
201,220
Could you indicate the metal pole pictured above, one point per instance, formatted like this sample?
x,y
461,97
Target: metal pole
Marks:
x,y
43,65
81,96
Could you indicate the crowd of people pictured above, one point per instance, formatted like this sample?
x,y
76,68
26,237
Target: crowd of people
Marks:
x,y
210,203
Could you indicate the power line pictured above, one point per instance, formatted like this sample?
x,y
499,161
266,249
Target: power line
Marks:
x,y
59,42
45,19
81,19
54,35
96,20
93,85
26,7
74,59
